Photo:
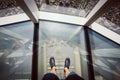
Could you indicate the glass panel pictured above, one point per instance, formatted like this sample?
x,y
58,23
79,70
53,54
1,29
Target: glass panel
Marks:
x,y
16,51
61,41
106,57
111,19
70,7
9,7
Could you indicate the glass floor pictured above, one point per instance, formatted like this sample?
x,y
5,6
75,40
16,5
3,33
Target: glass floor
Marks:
x,y
60,41
60,50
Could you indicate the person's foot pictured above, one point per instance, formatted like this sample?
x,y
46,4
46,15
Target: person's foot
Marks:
x,y
67,63
52,62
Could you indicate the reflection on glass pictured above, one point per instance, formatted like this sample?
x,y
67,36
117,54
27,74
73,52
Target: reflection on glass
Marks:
x,y
70,7
61,41
106,57
16,51
9,7
111,19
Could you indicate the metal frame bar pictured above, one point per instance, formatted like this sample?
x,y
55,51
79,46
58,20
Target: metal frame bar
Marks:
x,y
98,10
30,8
62,18
106,32
13,19
35,52
89,55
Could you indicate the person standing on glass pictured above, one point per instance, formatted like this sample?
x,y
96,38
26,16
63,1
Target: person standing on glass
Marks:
x,y
53,73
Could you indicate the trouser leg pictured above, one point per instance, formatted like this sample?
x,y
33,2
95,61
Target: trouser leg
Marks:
x,y
73,76
50,76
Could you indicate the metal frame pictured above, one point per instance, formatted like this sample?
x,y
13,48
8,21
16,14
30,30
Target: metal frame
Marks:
x,y
30,8
35,52
62,18
89,55
106,32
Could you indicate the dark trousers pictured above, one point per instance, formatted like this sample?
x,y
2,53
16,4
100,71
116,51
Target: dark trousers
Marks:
x,y
71,76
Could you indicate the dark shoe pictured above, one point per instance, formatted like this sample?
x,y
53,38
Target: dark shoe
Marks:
x,y
52,62
67,62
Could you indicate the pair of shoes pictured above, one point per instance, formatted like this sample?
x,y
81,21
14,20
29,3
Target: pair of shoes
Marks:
x,y
52,62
